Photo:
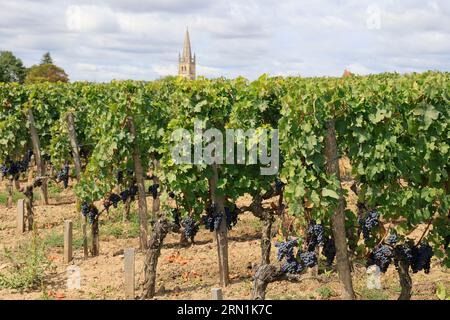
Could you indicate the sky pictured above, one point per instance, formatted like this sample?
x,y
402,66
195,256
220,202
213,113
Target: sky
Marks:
x,y
137,39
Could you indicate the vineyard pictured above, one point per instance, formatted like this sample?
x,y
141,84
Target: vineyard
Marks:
x,y
363,180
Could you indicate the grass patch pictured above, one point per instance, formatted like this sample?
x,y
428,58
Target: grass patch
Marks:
x,y
325,292
114,226
27,266
16,196
56,240
374,294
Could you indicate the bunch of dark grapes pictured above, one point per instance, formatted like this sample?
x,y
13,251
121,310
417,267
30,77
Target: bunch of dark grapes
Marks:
x,y
176,216
286,249
329,251
11,168
63,176
46,157
171,195
232,217
279,185
124,195
403,252
112,200
119,177
315,235
380,256
368,223
89,211
190,228
291,265
421,257
308,259
213,218
392,239
153,190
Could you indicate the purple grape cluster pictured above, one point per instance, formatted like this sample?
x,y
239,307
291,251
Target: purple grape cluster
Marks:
x,y
421,257
308,259
381,256
190,228
368,223
90,211
315,235
286,249
329,251
153,190
63,176
392,239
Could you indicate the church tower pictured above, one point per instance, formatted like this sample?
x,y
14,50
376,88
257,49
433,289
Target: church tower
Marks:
x,y
186,63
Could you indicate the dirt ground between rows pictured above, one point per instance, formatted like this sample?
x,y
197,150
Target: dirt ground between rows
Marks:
x,y
183,272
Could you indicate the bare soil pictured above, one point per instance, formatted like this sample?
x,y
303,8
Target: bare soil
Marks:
x,y
184,272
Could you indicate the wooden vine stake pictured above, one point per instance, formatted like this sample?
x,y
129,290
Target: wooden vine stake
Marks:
x,y
68,241
156,202
338,218
141,187
9,188
37,154
77,161
221,235
216,294
129,273
20,216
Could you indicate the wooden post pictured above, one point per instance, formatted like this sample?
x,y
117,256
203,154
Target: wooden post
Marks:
x,y
216,294
156,202
143,221
74,145
20,216
68,241
37,154
221,235
338,218
85,238
9,188
128,260
95,250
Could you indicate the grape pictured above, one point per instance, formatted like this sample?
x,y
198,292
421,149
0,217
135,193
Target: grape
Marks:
x,y
119,177
380,256
63,176
153,189
213,218
421,257
190,228
279,185
392,239
329,251
292,266
308,258
124,195
115,199
232,217
403,252
368,223
314,236
84,208
286,249
93,214
176,216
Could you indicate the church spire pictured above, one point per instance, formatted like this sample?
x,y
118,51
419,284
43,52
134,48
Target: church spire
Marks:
x,y
187,55
186,64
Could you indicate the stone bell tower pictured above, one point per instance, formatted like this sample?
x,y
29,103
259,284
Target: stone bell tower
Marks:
x,y
186,63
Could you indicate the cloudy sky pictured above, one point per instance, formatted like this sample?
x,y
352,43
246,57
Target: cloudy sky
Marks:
x,y
140,39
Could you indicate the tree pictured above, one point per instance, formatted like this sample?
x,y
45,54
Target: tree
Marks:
x,y
11,68
46,73
46,59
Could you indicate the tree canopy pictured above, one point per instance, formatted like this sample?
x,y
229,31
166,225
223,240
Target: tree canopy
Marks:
x,y
46,71
11,68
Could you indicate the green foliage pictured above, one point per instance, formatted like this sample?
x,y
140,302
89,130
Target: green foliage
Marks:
x,y
11,68
46,73
46,58
27,266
